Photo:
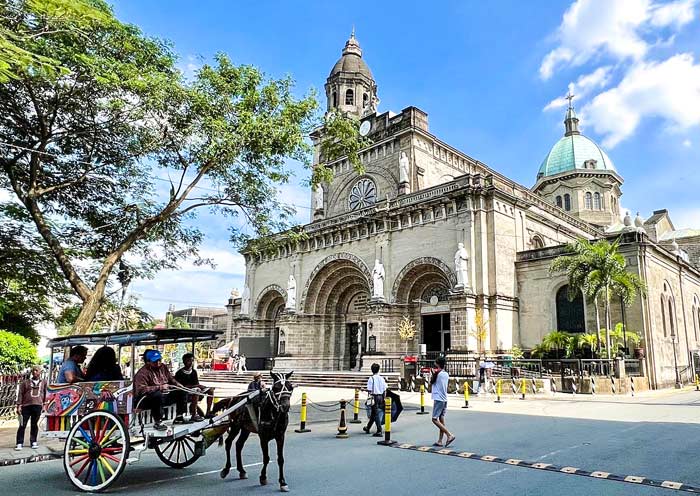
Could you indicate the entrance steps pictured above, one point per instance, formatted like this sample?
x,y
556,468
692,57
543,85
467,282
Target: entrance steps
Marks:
x,y
334,378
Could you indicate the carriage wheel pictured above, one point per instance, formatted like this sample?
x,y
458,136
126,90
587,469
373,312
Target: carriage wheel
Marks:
x,y
96,451
178,453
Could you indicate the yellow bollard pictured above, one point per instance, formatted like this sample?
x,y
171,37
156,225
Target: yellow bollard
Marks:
x,y
422,401
342,426
498,392
356,409
387,424
522,389
466,394
302,427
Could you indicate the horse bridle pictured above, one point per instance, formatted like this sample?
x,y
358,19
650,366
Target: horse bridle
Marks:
x,y
276,397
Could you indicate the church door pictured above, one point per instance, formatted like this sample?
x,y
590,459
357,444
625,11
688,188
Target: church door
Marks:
x,y
436,332
354,338
570,314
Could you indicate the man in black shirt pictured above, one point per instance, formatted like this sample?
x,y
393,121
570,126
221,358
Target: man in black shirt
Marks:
x,y
187,376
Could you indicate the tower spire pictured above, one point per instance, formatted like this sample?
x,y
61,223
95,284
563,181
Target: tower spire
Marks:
x,y
570,121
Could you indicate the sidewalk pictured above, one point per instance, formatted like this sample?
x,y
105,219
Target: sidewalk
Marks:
x,y
49,449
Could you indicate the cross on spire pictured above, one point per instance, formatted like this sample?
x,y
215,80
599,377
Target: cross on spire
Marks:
x,y
570,97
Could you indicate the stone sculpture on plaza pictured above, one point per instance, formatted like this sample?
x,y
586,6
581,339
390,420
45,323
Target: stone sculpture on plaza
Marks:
x,y
291,293
378,276
461,268
245,301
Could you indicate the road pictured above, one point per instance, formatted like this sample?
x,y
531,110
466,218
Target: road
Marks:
x,y
319,464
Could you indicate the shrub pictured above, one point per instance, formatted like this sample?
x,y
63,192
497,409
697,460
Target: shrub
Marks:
x,y
16,352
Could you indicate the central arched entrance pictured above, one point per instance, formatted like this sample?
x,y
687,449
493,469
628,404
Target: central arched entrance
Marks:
x,y
571,315
337,294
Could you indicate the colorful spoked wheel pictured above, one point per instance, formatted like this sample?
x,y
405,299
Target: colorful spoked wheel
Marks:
x,y
178,453
96,451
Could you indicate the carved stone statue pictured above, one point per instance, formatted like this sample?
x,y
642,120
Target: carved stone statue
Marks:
x,y
318,198
373,103
378,276
245,301
403,168
235,293
291,293
461,266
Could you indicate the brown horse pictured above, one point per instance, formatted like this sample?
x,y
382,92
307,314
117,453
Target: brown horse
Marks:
x,y
272,409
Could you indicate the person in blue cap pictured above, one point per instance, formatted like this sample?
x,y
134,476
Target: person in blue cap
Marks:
x,y
152,385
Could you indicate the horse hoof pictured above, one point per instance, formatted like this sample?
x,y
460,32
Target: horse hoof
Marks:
x,y
284,489
223,473
263,482
243,475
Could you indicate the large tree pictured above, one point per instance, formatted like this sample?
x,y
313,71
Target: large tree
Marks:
x,y
112,156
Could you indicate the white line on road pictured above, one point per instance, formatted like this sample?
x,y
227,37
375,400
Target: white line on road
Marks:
x,y
497,471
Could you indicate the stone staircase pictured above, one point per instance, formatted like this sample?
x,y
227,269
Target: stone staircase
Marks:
x,y
336,379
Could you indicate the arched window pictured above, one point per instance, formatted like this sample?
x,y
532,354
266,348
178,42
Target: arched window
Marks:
x,y
559,204
596,202
668,311
589,201
671,318
567,202
570,314
365,100
663,315
537,242
349,97
334,99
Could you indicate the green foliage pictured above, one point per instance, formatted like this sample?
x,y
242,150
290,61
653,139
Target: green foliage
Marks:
x,y
517,352
16,352
340,138
616,338
132,317
557,341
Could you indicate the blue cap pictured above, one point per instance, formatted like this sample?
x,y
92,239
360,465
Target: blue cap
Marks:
x,y
153,356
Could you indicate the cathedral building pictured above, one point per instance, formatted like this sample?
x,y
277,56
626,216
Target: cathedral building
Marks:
x,y
429,233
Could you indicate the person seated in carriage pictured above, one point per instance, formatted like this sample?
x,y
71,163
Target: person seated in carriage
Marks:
x,y
70,371
152,388
257,382
187,376
103,366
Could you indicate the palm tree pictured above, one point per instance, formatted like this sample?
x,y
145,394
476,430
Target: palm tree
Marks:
x,y
599,270
583,341
557,340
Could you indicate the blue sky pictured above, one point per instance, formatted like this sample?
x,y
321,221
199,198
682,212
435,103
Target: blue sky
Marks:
x,y
489,74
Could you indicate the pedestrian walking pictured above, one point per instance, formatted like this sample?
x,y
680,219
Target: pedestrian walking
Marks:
x,y
242,365
30,400
439,382
376,388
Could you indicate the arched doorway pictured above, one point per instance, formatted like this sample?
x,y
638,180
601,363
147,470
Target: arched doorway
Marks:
x,y
570,314
268,309
336,296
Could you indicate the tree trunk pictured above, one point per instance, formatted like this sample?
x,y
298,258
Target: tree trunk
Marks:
x,y
597,323
607,322
88,312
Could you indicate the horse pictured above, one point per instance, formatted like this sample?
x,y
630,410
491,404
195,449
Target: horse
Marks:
x,y
272,423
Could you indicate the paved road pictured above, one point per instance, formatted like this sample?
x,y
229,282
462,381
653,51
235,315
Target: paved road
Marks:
x,y
319,464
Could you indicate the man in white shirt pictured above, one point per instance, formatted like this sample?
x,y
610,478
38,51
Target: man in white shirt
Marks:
x,y
376,387
439,395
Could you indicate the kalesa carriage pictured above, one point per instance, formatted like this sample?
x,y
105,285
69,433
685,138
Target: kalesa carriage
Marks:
x,y
104,430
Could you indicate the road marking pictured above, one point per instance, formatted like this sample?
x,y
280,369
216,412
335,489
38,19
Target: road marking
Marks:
x,y
182,477
597,474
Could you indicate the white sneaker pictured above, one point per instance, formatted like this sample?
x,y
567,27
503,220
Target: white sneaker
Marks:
x,y
35,445
18,447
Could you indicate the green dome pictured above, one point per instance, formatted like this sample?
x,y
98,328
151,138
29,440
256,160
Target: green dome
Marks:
x,y
570,153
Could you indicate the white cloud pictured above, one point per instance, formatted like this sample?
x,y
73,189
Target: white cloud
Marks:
x,y
583,86
669,90
687,143
591,28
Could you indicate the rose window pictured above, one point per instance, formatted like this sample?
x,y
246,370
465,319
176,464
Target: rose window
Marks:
x,y
363,194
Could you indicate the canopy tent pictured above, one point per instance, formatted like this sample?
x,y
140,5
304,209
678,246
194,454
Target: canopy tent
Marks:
x,y
224,351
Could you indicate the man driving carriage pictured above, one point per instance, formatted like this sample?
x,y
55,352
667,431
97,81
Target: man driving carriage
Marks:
x,y
152,389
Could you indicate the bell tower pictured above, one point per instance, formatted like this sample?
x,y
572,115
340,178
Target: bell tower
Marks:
x,y
350,87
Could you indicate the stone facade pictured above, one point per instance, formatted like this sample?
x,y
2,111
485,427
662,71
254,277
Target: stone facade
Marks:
x,y
412,227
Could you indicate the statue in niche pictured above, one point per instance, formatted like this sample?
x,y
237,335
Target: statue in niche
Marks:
x,y
245,301
318,198
461,266
403,168
374,103
378,276
235,293
291,293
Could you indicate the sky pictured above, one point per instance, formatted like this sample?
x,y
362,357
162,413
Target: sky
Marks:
x,y
490,75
